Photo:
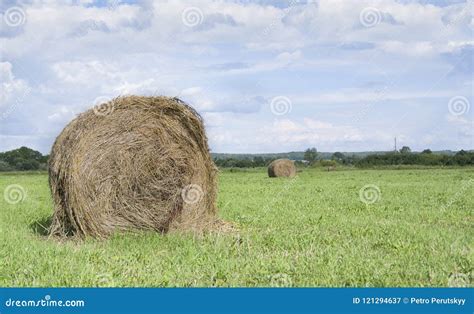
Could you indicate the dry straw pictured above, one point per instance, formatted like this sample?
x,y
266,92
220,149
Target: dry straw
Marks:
x,y
282,168
142,164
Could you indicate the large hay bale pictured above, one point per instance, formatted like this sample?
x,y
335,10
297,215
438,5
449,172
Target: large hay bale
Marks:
x,y
282,168
133,163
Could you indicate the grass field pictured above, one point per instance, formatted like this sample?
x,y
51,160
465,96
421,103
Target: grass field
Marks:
x,y
314,230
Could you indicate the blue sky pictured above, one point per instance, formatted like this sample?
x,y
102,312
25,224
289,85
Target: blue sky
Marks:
x,y
267,76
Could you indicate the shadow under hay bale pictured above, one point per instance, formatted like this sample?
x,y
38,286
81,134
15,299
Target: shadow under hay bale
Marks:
x,y
282,168
134,163
41,226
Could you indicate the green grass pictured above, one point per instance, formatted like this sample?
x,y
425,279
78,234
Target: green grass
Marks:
x,y
310,231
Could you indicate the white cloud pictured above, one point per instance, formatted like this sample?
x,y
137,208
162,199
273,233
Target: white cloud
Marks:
x,y
198,98
291,134
282,60
10,88
62,115
13,92
84,73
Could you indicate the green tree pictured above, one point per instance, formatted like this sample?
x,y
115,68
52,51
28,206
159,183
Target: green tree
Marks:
x,y
4,166
23,158
328,163
405,150
311,154
338,156
259,161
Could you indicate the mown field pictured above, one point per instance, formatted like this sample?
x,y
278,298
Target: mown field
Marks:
x,y
314,230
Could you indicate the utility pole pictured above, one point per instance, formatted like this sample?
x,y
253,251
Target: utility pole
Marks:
x,y
395,143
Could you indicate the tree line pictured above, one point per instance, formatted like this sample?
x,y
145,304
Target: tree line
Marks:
x,y
425,158
253,162
25,158
21,159
404,156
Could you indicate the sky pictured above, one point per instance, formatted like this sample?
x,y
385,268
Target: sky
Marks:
x,y
266,76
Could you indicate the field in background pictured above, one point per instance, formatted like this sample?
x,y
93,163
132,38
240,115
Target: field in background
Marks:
x,y
339,228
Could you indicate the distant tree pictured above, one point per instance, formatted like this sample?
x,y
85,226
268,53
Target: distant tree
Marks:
x,y
427,151
328,163
4,166
23,158
462,152
28,165
350,160
244,163
405,150
338,156
311,154
461,158
259,161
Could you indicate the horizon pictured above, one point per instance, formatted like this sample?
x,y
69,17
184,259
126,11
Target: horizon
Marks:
x,y
265,76
300,151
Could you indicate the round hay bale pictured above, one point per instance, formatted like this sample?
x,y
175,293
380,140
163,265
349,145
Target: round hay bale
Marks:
x,y
133,163
282,168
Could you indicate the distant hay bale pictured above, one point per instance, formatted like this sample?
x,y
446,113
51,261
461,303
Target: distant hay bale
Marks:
x,y
282,168
133,163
